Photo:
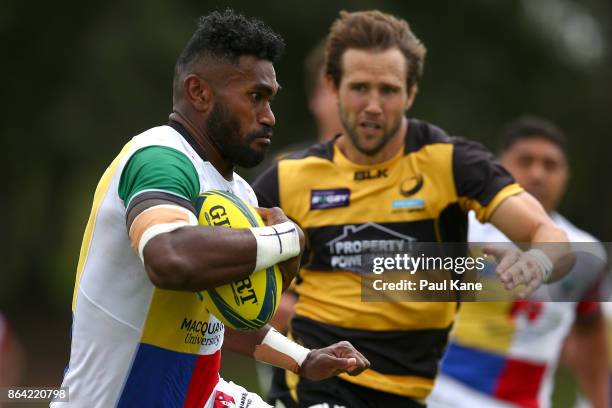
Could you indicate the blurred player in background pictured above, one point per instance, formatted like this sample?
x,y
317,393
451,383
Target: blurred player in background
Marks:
x,y
12,361
144,257
322,102
505,354
387,179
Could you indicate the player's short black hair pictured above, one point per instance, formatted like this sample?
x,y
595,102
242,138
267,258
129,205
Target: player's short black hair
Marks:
x,y
227,36
529,127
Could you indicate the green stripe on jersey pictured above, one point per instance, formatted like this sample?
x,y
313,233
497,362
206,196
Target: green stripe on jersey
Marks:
x,y
159,168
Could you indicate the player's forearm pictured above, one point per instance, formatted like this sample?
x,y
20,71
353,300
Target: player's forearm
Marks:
x,y
541,233
242,342
198,258
554,243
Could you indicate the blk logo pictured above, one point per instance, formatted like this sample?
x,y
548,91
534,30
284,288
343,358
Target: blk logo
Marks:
x,y
371,174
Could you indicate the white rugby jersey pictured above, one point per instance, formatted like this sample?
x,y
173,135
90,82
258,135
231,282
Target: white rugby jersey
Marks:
x,y
508,351
134,345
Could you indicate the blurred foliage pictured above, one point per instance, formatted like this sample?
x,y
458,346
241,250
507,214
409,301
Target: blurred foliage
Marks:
x,y
81,78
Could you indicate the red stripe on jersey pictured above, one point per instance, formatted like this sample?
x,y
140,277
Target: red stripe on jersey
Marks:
x,y
586,308
204,378
520,383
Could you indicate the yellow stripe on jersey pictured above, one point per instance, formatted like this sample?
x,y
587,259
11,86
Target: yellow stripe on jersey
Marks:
x,y
479,325
99,195
410,385
338,303
483,213
413,386
177,321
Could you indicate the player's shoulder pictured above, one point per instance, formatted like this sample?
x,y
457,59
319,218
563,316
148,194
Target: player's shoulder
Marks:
x,y
421,133
165,144
159,135
322,150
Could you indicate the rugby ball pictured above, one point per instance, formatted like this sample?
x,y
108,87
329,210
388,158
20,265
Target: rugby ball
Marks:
x,y
246,304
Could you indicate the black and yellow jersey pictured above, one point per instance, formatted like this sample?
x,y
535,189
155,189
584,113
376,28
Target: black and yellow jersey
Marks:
x,y
346,210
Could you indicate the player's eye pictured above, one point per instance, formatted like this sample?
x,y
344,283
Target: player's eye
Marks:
x,y
389,90
359,87
551,165
256,97
524,161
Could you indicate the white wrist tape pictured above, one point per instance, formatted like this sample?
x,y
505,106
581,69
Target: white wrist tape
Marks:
x,y
279,351
546,265
275,243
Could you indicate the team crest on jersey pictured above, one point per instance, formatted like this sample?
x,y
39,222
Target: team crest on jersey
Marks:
x,y
411,185
223,400
330,198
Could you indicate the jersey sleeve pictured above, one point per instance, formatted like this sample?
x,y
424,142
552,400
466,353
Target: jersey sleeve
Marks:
x,y
480,180
160,170
266,188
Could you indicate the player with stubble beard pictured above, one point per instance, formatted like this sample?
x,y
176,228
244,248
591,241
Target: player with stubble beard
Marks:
x,y
386,178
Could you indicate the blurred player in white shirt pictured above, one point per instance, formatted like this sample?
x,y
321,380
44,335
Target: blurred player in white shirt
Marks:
x,y
505,354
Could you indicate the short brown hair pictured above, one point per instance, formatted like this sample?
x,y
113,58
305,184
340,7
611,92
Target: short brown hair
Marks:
x,y
373,30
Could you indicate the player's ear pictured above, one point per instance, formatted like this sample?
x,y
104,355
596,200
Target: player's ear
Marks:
x,y
412,92
198,92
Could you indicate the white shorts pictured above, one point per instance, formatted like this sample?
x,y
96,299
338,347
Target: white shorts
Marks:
x,y
227,394
449,393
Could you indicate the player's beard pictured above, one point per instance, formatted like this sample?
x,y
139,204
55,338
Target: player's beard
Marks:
x,y
223,129
351,130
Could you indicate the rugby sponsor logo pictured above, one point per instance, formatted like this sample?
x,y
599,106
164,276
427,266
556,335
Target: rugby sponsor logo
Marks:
x,y
414,204
244,292
217,216
370,174
330,198
204,333
346,251
245,400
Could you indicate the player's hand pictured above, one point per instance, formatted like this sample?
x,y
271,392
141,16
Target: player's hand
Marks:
x,y
516,267
290,267
338,358
271,216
